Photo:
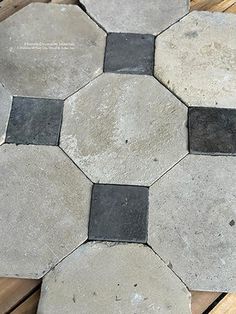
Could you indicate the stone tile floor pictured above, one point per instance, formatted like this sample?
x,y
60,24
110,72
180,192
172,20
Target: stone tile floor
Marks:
x,y
89,156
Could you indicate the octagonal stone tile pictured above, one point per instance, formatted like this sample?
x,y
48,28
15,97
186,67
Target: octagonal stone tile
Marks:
x,y
49,50
5,108
195,58
192,221
44,209
135,16
124,129
107,278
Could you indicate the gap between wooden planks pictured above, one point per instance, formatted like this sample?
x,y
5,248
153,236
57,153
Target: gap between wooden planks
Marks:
x,y
214,5
20,296
14,292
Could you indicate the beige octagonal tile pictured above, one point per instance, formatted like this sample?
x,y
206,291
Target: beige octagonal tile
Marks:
x,y
192,221
49,50
44,209
111,278
124,129
135,16
195,59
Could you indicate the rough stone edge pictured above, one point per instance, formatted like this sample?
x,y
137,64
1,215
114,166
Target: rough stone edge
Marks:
x,y
45,270
83,7
8,98
90,20
149,183
109,245
161,34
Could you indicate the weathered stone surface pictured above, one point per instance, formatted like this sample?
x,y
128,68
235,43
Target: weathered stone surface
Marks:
x,y
49,50
5,108
192,221
195,58
135,16
129,53
103,278
35,121
119,213
44,209
124,129
212,131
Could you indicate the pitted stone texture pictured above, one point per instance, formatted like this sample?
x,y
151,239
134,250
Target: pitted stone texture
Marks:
x,y
103,278
195,58
135,16
49,50
124,129
129,53
119,213
35,121
191,221
212,131
5,108
44,209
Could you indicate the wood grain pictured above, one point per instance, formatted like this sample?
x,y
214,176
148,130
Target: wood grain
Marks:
x,y
212,5
231,9
202,300
226,306
13,291
29,306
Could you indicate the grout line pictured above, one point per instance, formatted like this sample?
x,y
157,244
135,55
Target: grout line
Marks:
x,y
179,20
105,54
166,86
63,258
148,245
83,7
76,91
170,169
75,164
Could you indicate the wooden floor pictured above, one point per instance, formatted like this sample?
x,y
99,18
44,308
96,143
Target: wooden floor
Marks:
x,y
20,296
228,6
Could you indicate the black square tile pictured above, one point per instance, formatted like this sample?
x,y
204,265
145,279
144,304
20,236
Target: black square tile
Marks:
x,y
34,121
129,53
212,131
119,213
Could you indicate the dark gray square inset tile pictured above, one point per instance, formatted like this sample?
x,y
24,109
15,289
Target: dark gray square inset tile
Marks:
x,y
34,121
212,131
119,213
129,53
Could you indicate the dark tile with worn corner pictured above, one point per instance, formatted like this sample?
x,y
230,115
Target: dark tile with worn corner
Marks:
x,y
119,213
35,121
212,131
129,53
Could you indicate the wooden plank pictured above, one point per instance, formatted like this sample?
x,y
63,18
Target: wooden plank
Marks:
x,y
204,4
12,291
223,5
9,7
29,306
214,5
226,306
231,9
201,300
